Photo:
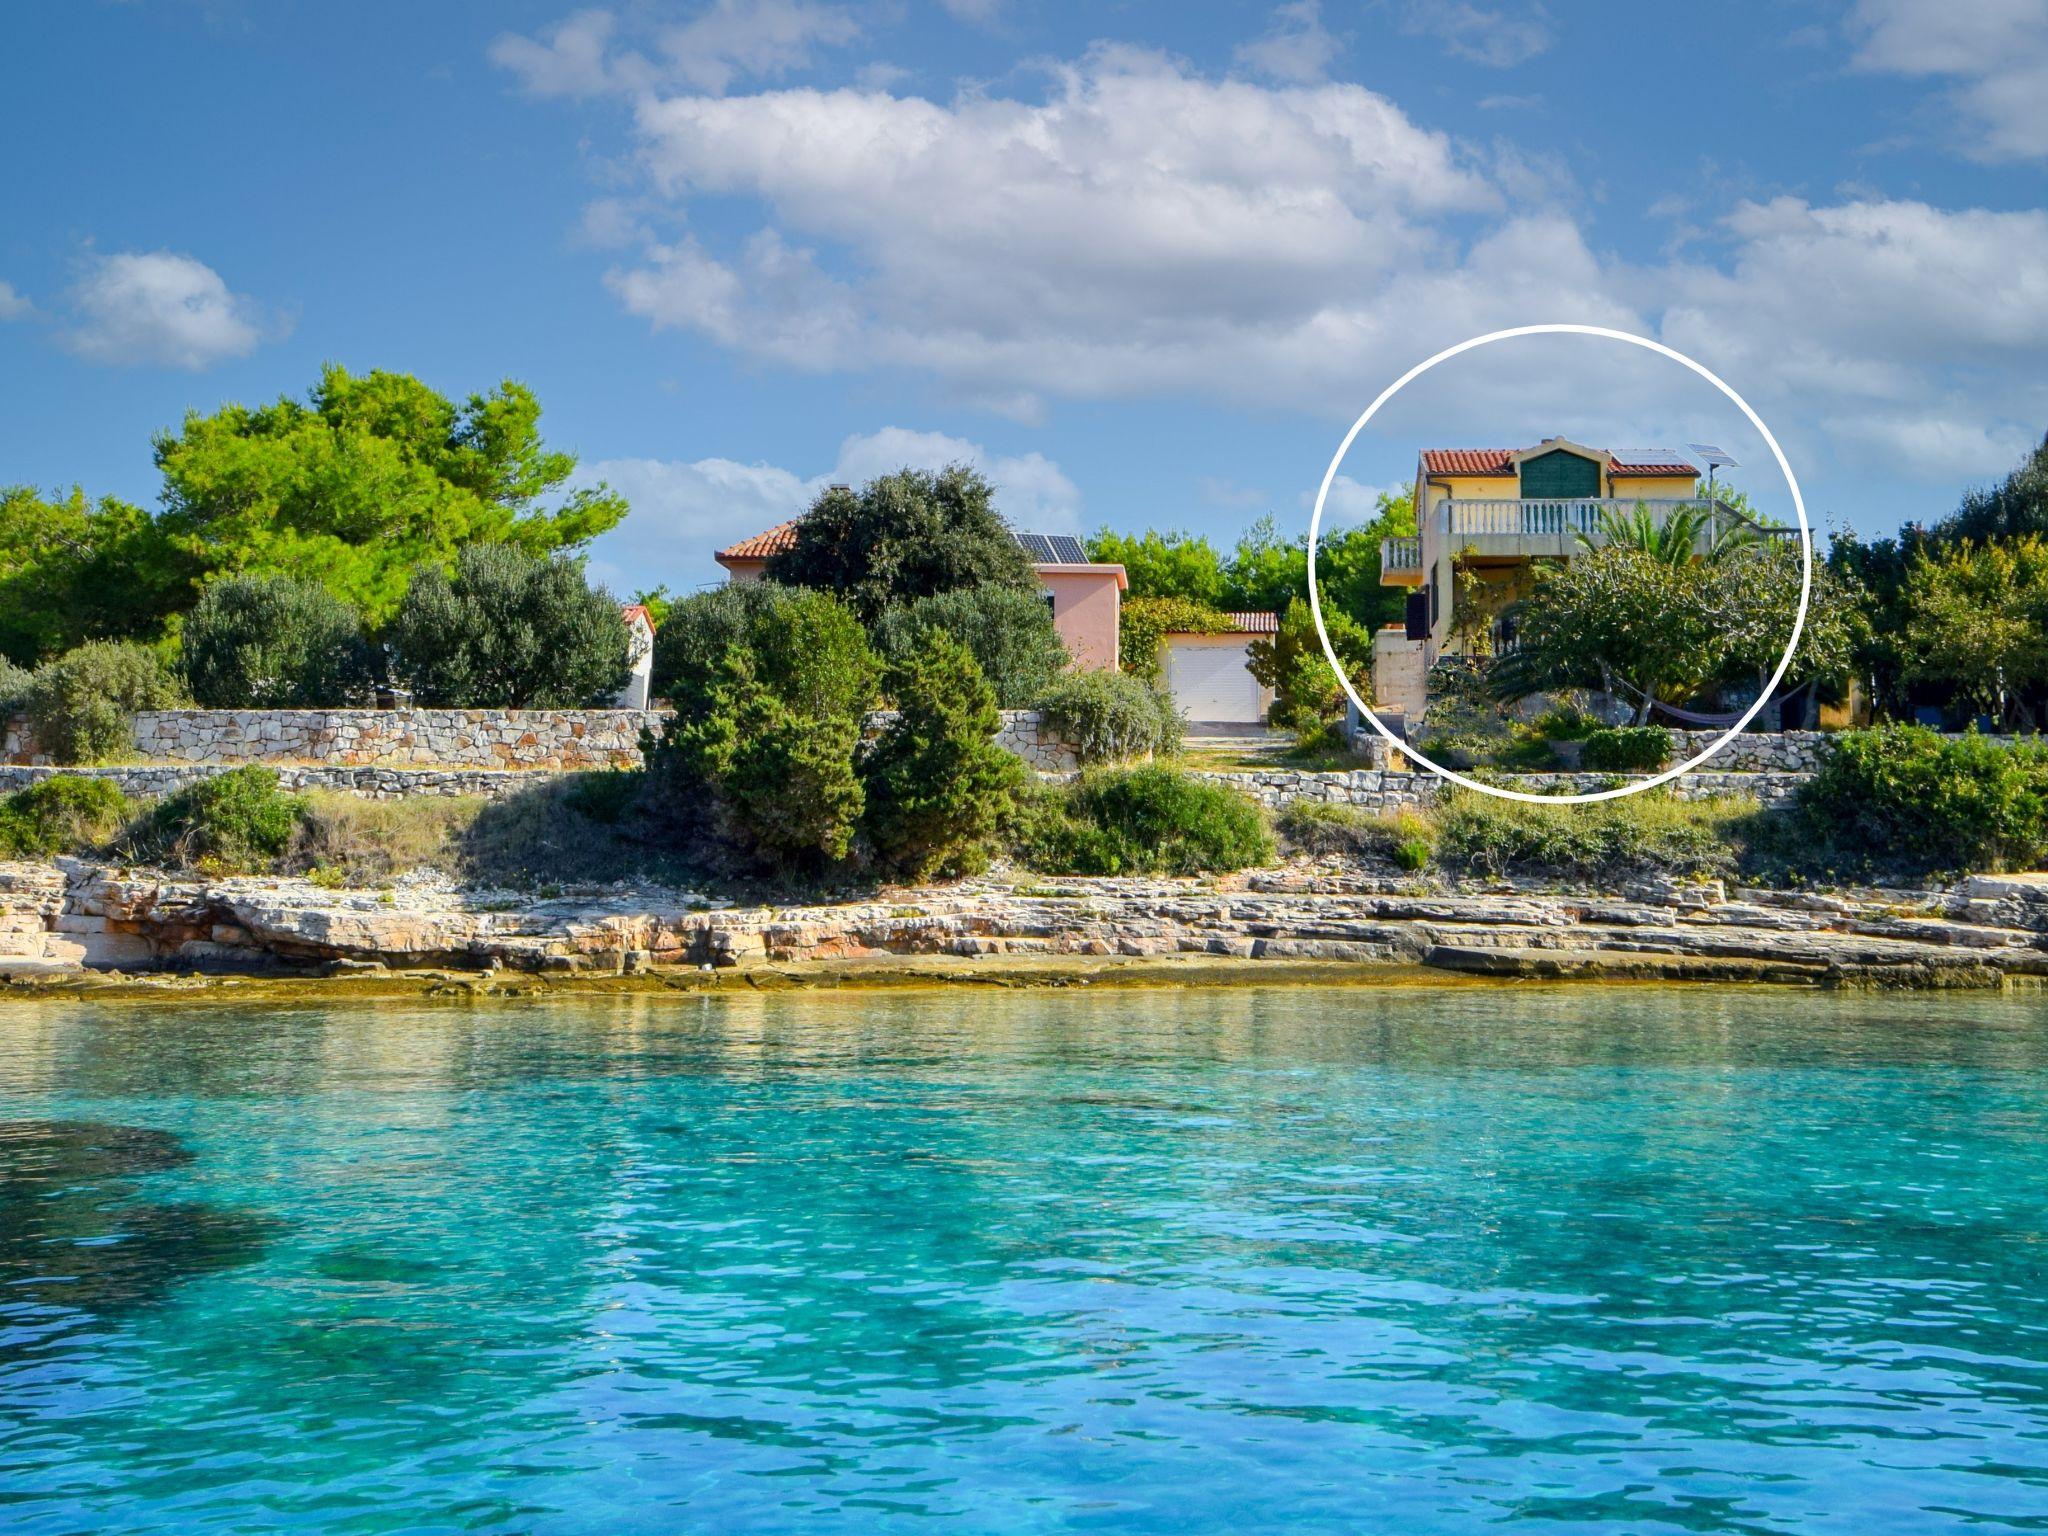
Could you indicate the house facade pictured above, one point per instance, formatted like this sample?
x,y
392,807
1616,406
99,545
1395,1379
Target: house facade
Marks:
x,y
1209,673
1495,513
1086,597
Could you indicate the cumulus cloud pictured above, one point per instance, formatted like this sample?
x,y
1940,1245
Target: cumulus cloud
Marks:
x,y
684,510
1496,38
1995,53
728,40
160,308
13,304
1297,47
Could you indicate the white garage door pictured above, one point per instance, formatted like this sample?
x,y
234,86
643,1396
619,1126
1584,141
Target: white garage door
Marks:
x,y
1209,682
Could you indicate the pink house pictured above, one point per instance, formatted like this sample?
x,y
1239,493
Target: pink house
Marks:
x,y
1085,597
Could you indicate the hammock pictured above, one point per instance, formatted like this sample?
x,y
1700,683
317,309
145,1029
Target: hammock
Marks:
x,y
1688,716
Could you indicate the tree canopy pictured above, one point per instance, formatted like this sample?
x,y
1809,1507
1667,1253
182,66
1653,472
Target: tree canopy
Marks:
x,y
902,537
364,482
73,570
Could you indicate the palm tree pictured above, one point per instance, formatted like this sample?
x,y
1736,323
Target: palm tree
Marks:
x,y
1677,541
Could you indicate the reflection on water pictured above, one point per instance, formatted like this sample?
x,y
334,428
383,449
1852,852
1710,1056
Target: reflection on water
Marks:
x,y
1429,1259
75,1231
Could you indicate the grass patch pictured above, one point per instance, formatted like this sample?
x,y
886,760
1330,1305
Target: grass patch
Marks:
x,y
1646,833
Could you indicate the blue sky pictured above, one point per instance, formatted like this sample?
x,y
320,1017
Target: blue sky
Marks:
x,y
1143,262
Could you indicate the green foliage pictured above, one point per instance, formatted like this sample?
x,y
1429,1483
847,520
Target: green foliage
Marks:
x,y
607,795
73,570
1626,749
902,537
1977,620
367,480
1181,566
273,642
14,683
1143,623
782,780
78,705
509,630
2015,507
809,645
1612,839
239,820
937,784
1467,727
1109,716
1141,821
1306,694
65,813
1909,798
1009,631
1326,827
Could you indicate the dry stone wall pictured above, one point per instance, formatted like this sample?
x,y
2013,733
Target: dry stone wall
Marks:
x,y
1375,789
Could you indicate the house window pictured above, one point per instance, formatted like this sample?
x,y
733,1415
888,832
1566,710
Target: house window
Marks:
x,y
1049,605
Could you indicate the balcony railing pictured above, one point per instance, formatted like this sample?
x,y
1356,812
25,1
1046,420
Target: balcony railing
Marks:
x,y
1566,520
1403,555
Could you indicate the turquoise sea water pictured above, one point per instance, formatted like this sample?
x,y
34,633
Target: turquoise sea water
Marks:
x,y
1414,1260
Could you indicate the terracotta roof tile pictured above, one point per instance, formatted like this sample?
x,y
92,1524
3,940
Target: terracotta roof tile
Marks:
x,y
773,542
1500,461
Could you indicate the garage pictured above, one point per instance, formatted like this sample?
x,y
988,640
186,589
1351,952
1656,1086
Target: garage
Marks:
x,y
1208,676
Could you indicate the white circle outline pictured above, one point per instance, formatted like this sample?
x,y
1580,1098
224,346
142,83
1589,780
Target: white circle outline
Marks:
x,y
1315,606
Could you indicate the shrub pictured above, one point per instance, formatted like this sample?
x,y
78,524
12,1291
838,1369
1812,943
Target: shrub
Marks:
x,y
606,795
1911,797
1144,821
65,813
14,682
509,630
1306,692
1626,749
1329,827
807,645
783,782
1143,624
937,784
78,704
270,642
238,820
1009,631
1108,716
1607,840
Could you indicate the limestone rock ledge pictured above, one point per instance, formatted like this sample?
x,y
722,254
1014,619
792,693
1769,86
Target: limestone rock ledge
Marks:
x,y
73,915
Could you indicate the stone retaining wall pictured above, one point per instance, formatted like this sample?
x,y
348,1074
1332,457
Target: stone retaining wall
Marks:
x,y
147,780
557,740
1374,789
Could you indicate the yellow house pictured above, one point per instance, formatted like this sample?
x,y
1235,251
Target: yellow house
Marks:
x,y
1495,512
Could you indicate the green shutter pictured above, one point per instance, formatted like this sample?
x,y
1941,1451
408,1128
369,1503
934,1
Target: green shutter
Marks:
x,y
1560,475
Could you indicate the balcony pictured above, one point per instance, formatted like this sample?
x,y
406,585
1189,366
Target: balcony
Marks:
x,y
1401,562
1533,529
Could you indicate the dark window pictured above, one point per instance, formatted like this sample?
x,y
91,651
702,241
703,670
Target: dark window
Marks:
x,y
1417,616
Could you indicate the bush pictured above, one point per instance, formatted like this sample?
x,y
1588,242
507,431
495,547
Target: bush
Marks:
x,y
1109,716
269,642
607,795
13,686
1009,631
66,813
807,645
1626,749
239,820
1142,821
1610,839
78,704
1143,624
1306,692
1327,827
509,630
1912,798
937,784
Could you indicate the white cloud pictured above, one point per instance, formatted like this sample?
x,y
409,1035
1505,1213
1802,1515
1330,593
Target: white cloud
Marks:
x,y
1498,39
1221,491
727,41
1297,47
684,511
13,304
160,308
1349,502
1995,52
981,13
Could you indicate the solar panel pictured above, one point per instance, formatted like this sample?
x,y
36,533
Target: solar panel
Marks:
x,y
1651,456
1053,548
1712,457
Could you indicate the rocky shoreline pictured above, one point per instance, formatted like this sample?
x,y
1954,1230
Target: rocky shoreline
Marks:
x,y
68,921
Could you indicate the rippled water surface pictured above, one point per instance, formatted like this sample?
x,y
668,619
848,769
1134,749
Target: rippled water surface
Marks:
x,y
1410,1261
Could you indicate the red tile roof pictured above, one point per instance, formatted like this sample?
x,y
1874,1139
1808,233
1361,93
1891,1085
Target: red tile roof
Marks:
x,y
1500,461
631,611
1242,624
773,542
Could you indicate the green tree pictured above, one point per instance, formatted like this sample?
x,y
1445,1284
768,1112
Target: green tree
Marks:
x,y
1009,631
937,784
902,537
364,482
73,570
78,704
1266,570
2016,506
1163,565
1306,693
270,642
508,630
1978,622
